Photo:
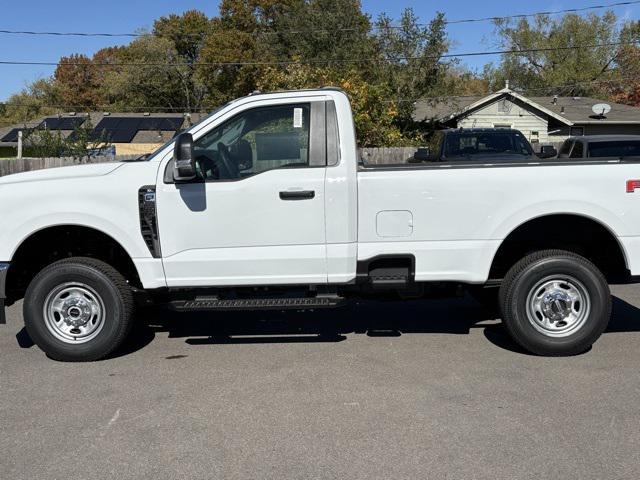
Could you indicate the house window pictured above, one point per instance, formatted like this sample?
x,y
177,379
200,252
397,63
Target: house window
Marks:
x,y
535,137
501,125
576,131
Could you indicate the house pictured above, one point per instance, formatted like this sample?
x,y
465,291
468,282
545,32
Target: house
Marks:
x,y
127,133
543,120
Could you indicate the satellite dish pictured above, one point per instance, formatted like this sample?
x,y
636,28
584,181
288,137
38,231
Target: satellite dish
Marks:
x,y
601,109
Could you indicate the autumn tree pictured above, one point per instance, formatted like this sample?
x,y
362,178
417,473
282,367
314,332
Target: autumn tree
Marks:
x,y
77,82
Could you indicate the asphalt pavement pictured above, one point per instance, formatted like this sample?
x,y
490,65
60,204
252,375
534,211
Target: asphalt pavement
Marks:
x,y
416,390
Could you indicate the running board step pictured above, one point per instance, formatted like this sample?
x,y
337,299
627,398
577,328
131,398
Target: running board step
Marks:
x,y
213,303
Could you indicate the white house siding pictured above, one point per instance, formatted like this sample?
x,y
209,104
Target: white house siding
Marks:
x,y
507,112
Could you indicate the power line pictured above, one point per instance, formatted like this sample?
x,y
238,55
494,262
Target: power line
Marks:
x,y
320,31
550,12
320,61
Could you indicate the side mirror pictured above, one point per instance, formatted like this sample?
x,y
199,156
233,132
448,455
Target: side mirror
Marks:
x,y
548,151
184,166
422,155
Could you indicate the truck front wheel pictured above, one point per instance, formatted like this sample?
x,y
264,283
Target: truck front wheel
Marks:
x,y
555,303
78,309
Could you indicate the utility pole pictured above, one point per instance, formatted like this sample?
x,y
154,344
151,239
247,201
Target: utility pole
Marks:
x,y
20,144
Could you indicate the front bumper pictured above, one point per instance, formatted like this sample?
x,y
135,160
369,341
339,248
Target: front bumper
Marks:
x,y
4,269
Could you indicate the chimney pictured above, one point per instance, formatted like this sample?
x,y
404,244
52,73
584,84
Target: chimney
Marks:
x,y
506,84
555,100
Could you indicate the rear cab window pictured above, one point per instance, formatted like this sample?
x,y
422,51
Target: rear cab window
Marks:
x,y
618,149
467,145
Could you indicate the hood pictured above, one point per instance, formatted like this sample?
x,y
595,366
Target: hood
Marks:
x,y
75,171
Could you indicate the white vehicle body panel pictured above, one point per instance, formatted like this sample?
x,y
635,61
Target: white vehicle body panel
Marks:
x,y
103,197
461,215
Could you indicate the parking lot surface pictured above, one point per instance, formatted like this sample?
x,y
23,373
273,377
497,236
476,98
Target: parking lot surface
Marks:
x,y
429,389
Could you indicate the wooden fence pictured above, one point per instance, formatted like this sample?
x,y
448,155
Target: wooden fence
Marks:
x,y
9,166
386,155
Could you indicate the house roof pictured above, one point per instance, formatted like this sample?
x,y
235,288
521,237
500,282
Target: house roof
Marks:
x,y
568,110
124,127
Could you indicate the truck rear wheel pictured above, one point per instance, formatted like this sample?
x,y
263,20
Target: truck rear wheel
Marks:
x,y
78,309
555,303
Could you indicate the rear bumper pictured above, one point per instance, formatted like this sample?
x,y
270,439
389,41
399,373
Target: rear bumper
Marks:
x,y
4,269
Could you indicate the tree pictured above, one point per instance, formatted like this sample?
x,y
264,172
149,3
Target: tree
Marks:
x,y
188,33
42,142
413,66
373,113
324,30
554,61
77,82
237,38
625,85
151,74
35,100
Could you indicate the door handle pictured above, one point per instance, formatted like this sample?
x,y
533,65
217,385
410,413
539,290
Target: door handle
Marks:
x,y
297,195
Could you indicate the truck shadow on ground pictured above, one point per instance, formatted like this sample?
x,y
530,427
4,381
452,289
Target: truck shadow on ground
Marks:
x,y
371,318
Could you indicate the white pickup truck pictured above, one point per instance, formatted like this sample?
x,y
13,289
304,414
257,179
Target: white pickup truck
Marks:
x,y
265,204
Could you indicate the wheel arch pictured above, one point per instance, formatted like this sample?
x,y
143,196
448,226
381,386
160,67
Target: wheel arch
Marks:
x,y
55,242
576,232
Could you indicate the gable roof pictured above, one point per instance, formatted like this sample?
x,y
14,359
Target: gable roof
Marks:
x,y
566,110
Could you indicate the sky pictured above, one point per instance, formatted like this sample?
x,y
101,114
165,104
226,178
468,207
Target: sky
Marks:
x,y
132,15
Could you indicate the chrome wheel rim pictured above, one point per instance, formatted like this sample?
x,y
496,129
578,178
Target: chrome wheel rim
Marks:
x,y
558,306
74,313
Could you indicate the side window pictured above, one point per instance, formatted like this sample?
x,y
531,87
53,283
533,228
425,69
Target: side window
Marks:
x,y
255,141
578,150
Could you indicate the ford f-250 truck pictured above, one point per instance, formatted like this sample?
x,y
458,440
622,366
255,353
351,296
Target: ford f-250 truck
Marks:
x,y
265,204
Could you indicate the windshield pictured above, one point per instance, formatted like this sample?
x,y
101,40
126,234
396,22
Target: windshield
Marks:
x,y
468,144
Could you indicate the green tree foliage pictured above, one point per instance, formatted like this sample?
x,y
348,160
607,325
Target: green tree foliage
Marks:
x,y
412,63
373,113
32,102
556,63
151,74
43,142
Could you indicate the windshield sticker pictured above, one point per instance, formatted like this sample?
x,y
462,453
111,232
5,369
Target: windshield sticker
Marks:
x,y
297,118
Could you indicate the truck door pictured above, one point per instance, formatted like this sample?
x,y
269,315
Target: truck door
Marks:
x,y
255,215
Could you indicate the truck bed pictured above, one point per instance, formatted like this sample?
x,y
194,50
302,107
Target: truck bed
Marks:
x,y
453,217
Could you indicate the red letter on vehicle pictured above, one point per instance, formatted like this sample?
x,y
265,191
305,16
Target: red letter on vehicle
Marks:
x,y
632,185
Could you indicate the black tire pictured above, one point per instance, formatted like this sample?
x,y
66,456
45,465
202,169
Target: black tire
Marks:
x,y
520,287
114,296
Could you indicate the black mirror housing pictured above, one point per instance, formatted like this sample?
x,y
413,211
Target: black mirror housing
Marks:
x,y
184,167
422,155
548,151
